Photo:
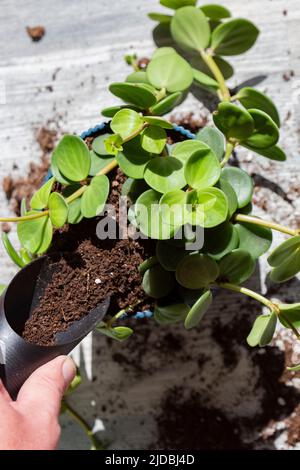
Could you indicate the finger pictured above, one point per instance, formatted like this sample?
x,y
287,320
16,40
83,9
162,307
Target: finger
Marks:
x,y
45,387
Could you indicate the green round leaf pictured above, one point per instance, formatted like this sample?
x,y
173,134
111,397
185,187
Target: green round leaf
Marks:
x,y
56,173
254,239
171,72
163,51
72,157
190,29
35,235
287,269
234,37
290,313
170,314
126,122
236,267
164,174
184,150
241,183
98,145
133,159
167,104
114,144
94,198
196,271
198,310
286,250
212,137
266,133
157,282
58,209
233,121
274,153
153,139
254,99
160,18
138,77
205,81
74,214
149,218
112,110
175,4
135,93
169,255
230,195
119,333
173,208
221,240
12,253
98,162
215,12
40,199
133,188
159,122
202,169
263,330
210,208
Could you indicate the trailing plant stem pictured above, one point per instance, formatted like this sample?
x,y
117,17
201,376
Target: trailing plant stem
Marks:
x,y
250,293
264,223
208,59
229,150
24,217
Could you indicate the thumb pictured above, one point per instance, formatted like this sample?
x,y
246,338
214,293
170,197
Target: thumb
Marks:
x,y
45,387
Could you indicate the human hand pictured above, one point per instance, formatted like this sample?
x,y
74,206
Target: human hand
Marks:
x,y
31,422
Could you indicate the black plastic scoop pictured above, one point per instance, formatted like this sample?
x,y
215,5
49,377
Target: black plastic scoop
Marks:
x,y
18,357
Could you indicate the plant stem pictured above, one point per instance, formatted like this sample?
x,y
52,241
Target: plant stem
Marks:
x,y
161,94
229,150
24,217
250,293
208,59
264,223
83,423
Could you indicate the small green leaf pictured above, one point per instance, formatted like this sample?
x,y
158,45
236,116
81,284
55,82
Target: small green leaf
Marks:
x,y
263,330
133,159
133,188
184,150
56,172
205,81
113,144
230,195
252,98
138,77
233,121
173,208
99,162
137,94
170,71
94,198
169,255
74,213
215,12
40,199
170,314
126,122
290,315
287,269
202,169
241,183
159,122
254,239
165,174
160,17
236,267
175,4
210,208
163,51
265,134
234,37
11,251
98,145
286,250
167,104
196,271
274,153
190,29
212,137
73,158
112,110
153,139
119,333
157,282
58,210
221,240
35,234
198,310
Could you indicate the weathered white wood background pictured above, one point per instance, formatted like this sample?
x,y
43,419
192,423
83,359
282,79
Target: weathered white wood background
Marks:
x,y
84,45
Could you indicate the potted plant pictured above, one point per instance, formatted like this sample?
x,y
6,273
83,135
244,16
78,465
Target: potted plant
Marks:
x,y
150,217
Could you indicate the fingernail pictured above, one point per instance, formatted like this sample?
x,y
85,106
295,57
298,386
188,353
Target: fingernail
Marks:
x,y
68,371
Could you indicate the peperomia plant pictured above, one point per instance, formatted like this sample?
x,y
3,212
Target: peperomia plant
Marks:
x,y
180,190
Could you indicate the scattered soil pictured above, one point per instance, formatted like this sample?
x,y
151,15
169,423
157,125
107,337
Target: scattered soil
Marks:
x,y
143,63
5,227
36,33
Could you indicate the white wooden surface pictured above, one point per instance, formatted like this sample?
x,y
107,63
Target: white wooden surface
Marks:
x,y
84,45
